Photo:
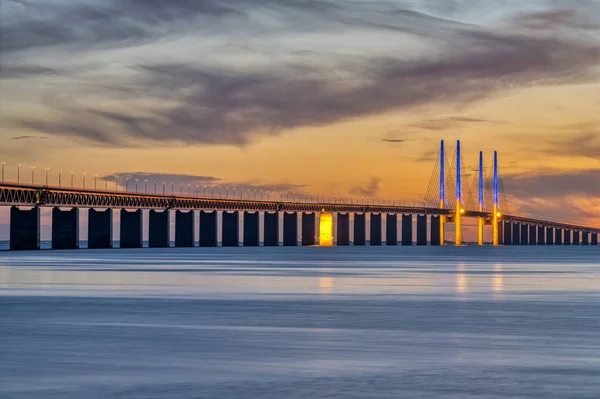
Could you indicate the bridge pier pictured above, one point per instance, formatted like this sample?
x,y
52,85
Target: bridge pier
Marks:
x,y
383,230
251,229
231,228
24,228
261,228
100,228
375,230
558,236
360,237
159,228
594,238
421,230
550,235
541,235
391,229
65,228
208,229
290,229
184,228
308,229
533,234
407,230
343,229
567,237
585,238
524,234
271,229
434,237
507,233
576,238
516,233
131,229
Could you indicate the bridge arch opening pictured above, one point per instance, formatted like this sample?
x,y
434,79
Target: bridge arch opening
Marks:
x,y
326,230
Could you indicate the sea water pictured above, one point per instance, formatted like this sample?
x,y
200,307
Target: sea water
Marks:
x,y
311,322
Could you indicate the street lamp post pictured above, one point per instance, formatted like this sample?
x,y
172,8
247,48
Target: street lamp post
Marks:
x,y
2,163
32,174
19,173
106,183
83,178
60,177
95,181
46,169
127,184
136,184
146,186
164,182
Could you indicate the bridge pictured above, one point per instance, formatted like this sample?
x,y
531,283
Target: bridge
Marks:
x,y
282,219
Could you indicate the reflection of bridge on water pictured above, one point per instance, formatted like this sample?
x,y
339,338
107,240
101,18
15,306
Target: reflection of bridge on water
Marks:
x,y
302,221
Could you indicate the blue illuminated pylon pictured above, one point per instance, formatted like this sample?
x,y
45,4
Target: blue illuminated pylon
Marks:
x,y
459,210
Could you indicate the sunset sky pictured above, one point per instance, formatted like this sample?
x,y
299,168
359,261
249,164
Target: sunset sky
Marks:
x,y
335,97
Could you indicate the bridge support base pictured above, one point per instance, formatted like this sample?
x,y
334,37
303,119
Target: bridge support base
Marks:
x,y
24,228
184,229
231,228
251,230
290,229
421,230
407,230
131,229
65,228
375,230
308,236
567,237
585,238
576,238
550,235
594,238
343,229
159,229
271,229
360,236
391,229
100,228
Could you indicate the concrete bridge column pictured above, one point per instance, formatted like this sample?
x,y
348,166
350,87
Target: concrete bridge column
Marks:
x,y
421,230
533,234
231,228
317,232
549,235
261,228
524,234
251,229
541,235
360,237
100,228
368,228
184,228
298,229
290,229
407,234
567,237
131,229
585,238
24,228
208,229
219,228
516,233
391,237
501,236
240,228
342,229
280,227
272,229
334,228
383,228
594,238
507,229
351,228
576,238
375,229
309,223
159,229
558,236
65,228
434,238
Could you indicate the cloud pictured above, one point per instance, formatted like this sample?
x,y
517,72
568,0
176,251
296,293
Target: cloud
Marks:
x,y
28,138
24,71
370,190
447,123
216,103
553,184
393,141
582,144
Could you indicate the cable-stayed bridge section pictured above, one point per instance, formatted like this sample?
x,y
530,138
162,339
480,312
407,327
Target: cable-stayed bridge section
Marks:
x,y
209,219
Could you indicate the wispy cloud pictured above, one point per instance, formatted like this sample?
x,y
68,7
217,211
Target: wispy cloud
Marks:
x,y
371,189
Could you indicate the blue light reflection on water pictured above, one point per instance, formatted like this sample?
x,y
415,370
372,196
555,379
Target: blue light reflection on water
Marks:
x,y
298,322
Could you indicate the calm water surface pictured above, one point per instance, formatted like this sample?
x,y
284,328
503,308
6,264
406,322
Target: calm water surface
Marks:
x,y
391,322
